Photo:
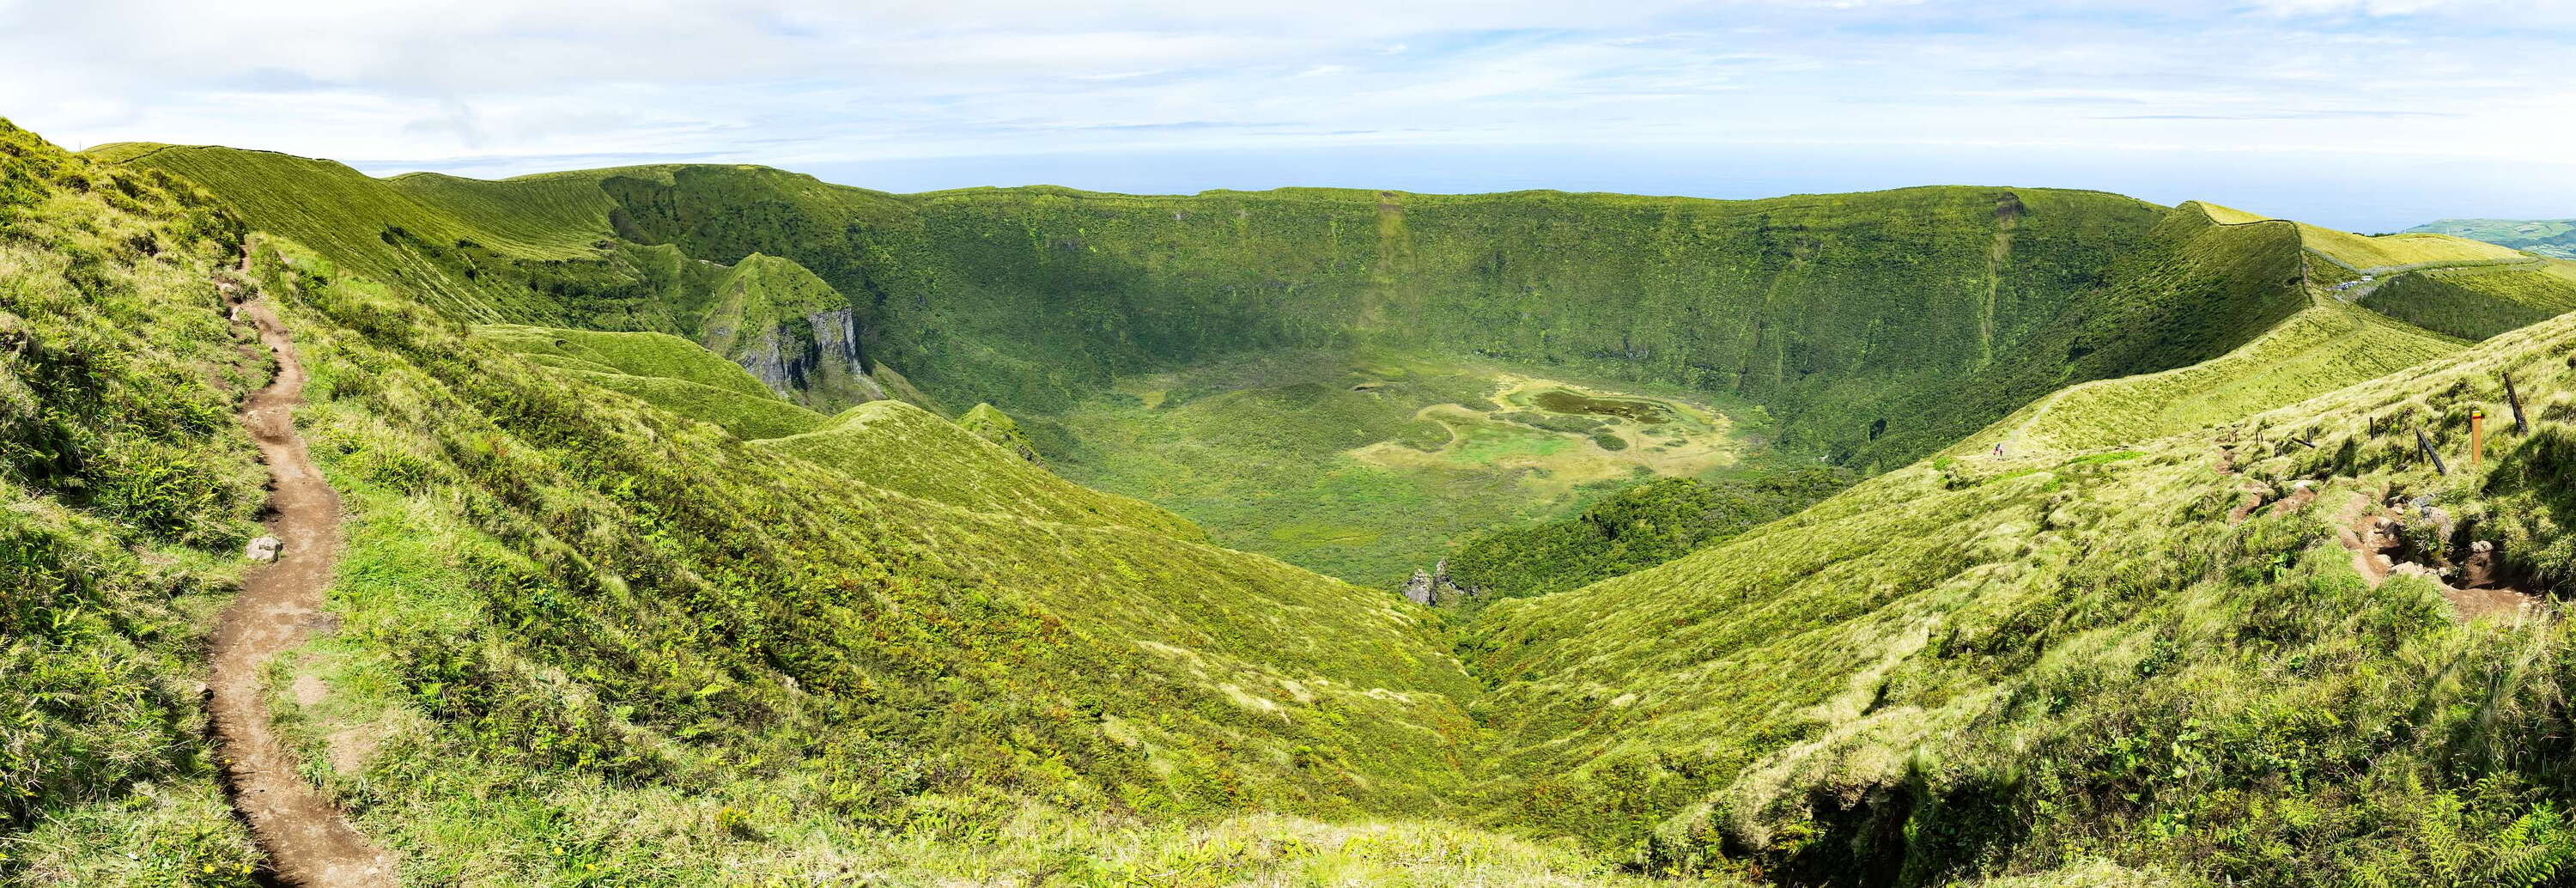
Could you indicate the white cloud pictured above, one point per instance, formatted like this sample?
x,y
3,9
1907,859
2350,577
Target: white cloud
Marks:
x,y
494,85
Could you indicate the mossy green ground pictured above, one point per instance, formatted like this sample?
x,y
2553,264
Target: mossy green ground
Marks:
x,y
1368,465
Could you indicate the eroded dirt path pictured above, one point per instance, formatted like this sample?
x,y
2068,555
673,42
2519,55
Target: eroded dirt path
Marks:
x,y
308,842
2372,538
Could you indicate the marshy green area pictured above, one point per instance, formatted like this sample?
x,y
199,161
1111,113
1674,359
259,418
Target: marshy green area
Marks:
x,y
1366,466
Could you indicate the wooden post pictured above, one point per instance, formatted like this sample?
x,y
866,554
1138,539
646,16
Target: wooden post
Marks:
x,y
2477,436
2427,445
2519,427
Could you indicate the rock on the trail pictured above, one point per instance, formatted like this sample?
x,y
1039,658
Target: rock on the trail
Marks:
x,y
265,549
2479,571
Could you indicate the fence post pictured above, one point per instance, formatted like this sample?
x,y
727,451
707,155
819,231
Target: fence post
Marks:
x,y
2477,436
2510,397
2427,444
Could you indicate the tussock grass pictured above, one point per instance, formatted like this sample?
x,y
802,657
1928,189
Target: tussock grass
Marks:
x,y
125,488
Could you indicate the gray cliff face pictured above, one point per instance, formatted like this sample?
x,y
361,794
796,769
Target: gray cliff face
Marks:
x,y
820,366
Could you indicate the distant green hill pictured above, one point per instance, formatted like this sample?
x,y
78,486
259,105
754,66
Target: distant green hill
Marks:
x,y
2547,237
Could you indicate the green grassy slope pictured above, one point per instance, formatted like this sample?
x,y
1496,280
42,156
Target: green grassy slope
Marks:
x,y
2367,253
2476,302
579,640
1982,665
2317,350
663,370
373,227
2324,346
1632,530
634,354
541,251
899,447
991,424
126,488
2547,237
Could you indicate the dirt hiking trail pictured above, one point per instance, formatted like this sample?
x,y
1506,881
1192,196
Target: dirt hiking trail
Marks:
x,y
308,842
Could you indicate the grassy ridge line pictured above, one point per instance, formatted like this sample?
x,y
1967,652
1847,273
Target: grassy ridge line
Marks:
x,y
1787,301
747,417
1027,297
347,214
903,448
2372,255
635,354
2318,350
663,370
2323,347
560,213
543,250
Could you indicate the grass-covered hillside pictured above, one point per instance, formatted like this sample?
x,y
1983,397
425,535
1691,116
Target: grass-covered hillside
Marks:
x,y
578,639
1867,328
2170,652
542,252
128,489
616,609
2547,237
2441,291
663,370
909,450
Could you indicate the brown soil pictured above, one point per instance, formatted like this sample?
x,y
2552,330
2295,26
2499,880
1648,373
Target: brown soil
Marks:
x,y
308,842
2361,528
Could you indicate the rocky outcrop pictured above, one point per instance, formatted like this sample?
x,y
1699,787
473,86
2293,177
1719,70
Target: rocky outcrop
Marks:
x,y
814,360
1435,587
1418,589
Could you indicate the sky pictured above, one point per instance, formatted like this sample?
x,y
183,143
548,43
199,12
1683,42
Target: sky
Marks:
x,y
2371,115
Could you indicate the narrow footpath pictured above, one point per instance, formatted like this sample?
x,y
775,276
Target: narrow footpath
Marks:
x,y
307,840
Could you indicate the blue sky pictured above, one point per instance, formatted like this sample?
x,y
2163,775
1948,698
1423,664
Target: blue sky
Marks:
x,y
2366,114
